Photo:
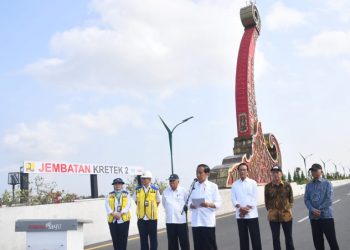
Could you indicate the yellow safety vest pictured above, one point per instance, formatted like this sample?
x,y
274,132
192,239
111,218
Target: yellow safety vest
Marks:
x,y
123,201
142,199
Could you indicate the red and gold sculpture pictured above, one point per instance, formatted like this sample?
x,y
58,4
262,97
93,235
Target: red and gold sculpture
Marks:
x,y
260,151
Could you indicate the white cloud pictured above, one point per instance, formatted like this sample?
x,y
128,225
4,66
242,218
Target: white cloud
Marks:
x,y
327,43
339,5
57,139
282,17
346,66
261,65
152,46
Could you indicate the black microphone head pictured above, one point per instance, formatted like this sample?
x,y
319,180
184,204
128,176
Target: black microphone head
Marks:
x,y
195,179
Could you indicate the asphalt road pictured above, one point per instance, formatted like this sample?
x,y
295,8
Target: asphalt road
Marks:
x,y
227,231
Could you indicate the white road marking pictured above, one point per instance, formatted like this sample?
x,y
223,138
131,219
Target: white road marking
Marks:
x,y
305,218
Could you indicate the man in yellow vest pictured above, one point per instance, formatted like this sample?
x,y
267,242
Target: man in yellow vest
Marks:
x,y
147,199
117,207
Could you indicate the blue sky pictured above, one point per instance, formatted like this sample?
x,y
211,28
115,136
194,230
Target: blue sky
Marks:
x,y
85,81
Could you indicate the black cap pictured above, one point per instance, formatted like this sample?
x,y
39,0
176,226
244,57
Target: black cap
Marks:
x,y
315,166
276,168
173,177
118,180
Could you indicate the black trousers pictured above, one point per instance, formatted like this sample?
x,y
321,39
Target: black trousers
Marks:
x,y
287,229
248,227
119,234
177,233
326,227
204,238
148,229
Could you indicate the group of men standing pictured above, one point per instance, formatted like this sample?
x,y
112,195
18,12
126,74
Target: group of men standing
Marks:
x,y
175,201
204,199
279,202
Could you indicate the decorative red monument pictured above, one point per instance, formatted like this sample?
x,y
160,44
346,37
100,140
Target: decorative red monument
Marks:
x,y
260,151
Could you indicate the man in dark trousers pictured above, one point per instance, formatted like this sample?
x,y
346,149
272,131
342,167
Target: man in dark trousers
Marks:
x,y
173,199
117,207
279,203
244,199
147,199
204,201
318,199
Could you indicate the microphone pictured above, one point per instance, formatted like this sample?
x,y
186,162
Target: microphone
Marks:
x,y
185,208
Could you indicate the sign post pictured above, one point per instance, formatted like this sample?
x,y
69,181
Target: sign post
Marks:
x,y
13,179
94,186
39,167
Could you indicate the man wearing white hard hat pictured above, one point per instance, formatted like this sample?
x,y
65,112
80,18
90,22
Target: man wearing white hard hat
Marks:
x,y
147,199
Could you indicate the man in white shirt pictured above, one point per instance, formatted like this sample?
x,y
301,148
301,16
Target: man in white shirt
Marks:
x,y
117,206
244,199
205,200
173,199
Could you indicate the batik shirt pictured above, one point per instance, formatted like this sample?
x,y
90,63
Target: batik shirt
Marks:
x,y
279,201
319,195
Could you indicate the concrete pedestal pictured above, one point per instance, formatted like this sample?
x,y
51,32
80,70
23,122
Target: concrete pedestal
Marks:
x,y
65,234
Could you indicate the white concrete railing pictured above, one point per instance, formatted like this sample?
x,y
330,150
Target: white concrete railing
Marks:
x,y
94,210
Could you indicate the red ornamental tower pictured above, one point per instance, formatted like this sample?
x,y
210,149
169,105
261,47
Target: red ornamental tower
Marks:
x,y
260,151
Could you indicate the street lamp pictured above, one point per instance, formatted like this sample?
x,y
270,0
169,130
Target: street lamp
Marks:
x,y
336,170
304,158
170,133
324,166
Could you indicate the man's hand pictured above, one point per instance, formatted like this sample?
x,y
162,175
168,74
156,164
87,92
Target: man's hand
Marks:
x,y
243,211
207,204
117,215
193,206
316,213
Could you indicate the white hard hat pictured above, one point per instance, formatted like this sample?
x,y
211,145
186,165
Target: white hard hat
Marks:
x,y
147,174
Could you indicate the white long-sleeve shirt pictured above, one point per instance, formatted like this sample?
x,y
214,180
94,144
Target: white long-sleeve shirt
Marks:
x,y
109,210
244,193
173,202
203,216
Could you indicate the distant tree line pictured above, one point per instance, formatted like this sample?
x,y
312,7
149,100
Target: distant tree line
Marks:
x,y
300,178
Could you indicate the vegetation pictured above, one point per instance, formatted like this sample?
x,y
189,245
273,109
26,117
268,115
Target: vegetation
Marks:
x,y
300,178
40,193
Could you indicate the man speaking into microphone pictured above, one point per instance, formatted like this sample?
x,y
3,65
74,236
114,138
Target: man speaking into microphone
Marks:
x,y
204,201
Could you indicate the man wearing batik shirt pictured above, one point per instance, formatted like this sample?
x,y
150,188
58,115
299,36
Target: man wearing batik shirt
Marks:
x,y
318,200
279,202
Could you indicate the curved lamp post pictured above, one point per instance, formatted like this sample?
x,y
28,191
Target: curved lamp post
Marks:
x,y
304,158
170,133
324,166
336,169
